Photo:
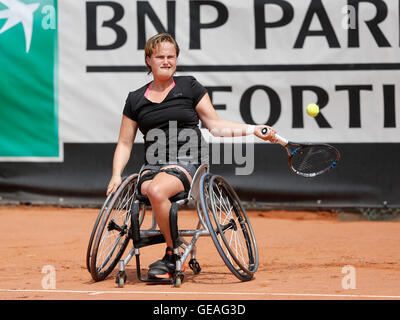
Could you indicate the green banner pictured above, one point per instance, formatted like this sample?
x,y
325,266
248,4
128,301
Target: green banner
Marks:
x,y
28,78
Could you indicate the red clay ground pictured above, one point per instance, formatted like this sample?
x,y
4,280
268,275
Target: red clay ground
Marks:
x,y
301,257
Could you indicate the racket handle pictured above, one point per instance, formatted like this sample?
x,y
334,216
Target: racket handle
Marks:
x,y
281,140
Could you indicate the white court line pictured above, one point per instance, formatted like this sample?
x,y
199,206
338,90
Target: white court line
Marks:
x,y
207,293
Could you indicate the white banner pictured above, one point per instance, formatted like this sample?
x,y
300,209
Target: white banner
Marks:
x,y
263,61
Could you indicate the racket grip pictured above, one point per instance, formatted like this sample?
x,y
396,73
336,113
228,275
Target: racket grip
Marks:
x,y
281,140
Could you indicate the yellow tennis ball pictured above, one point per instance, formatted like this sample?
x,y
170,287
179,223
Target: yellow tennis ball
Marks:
x,y
312,109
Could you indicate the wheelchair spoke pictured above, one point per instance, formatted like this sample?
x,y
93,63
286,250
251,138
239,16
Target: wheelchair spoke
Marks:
x,y
108,241
239,245
230,243
223,207
108,257
126,202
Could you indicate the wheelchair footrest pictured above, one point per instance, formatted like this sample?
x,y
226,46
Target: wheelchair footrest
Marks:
x,y
174,278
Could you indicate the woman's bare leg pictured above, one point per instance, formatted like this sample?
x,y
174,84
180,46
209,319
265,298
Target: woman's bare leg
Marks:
x,y
162,187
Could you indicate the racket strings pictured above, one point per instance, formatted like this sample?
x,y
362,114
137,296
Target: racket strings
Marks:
x,y
314,159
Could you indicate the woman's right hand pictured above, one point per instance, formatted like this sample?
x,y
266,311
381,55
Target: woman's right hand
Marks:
x,y
114,184
270,135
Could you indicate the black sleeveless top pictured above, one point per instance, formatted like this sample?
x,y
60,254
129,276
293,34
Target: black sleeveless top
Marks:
x,y
170,128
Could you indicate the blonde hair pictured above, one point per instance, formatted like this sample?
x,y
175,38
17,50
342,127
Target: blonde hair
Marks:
x,y
154,41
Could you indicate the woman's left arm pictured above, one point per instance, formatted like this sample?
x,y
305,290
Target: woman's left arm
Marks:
x,y
224,128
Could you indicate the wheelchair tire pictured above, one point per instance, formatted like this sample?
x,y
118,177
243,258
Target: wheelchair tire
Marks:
x,y
111,230
229,226
95,229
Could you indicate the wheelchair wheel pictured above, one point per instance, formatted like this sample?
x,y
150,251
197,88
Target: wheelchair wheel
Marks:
x,y
229,226
110,234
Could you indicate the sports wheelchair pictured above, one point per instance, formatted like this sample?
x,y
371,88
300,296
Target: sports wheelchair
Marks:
x,y
220,214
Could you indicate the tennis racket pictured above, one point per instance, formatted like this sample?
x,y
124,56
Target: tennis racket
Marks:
x,y
308,159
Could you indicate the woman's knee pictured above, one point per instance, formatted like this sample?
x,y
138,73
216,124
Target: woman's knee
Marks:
x,y
144,186
155,192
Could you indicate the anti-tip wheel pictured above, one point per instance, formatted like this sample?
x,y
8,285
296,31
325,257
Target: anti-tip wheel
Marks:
x,y
178,279
121,279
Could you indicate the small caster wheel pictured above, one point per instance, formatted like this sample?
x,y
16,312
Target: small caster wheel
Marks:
x,y
121,279
195,266
178,279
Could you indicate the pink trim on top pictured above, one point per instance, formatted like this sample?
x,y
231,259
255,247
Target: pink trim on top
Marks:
x,y
146,94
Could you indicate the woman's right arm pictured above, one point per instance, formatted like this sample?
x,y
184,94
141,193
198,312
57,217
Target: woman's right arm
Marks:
x,y
122,152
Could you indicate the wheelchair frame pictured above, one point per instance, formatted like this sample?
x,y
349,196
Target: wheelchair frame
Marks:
x,y
205,227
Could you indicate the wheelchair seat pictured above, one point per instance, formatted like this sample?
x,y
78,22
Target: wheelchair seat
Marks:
x,y
179,196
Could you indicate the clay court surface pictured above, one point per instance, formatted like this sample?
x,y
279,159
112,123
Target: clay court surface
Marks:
x,y
302,255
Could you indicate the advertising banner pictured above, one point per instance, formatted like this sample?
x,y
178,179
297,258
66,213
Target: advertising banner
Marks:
x,y
66,68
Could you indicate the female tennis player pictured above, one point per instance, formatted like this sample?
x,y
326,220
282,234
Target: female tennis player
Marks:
x,y
167,101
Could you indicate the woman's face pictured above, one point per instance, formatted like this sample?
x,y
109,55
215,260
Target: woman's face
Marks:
x,y
163,61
